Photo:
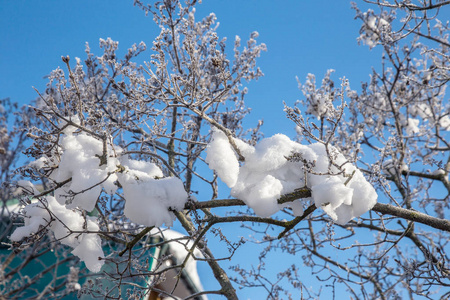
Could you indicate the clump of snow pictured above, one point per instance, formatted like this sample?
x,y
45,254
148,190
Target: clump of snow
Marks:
x,y
148,196
221,158
411,125
28,187
296,206
372,28
80,161
40,163
444,122
267,174
330,194
87,246
422,110
140,170
344,205
438,172
259,191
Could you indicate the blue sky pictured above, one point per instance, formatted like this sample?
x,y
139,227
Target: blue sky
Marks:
x,y
301,36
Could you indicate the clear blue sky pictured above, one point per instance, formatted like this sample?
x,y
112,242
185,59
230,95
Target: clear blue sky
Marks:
x,y
301,36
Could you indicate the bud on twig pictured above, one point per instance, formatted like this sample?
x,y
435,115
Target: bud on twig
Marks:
x,y
65,59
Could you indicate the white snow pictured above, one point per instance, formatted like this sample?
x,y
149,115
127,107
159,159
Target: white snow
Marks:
x,y
423,110
413,126
438,172
341,208
259,191
221,158
260,181
39,163
296,206
80,161
148,196
87,246
266,175
330,194
372,28
444,122
28,187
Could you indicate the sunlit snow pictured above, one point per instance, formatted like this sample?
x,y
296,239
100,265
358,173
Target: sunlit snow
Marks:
x,y
68,226
267,174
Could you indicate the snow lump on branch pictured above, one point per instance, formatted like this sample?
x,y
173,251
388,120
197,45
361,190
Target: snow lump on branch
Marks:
x,y
267,174
68,226
80,162
148,195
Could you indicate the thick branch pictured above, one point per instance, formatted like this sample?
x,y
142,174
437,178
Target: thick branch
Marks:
x,y
136,239
412,215
293,223
385,209
297,194
221,276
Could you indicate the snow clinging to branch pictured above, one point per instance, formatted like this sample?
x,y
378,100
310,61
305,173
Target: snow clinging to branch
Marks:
x,y
67,225
277,166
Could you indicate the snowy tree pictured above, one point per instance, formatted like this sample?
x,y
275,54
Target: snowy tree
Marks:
x,y
125,150
10,147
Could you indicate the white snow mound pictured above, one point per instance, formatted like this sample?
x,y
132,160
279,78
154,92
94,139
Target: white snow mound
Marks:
x,y
87,246
266,175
